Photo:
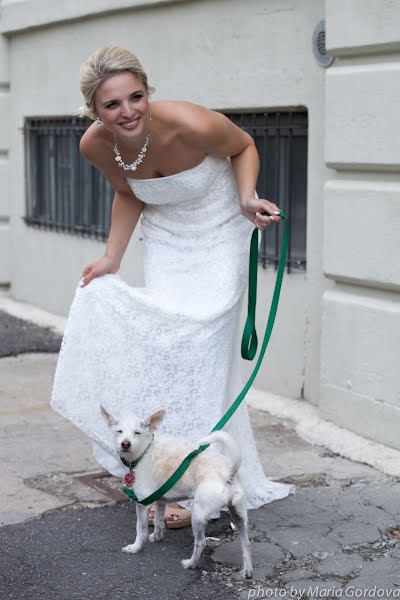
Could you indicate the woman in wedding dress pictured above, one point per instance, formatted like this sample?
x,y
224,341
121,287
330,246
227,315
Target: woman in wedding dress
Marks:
x,y
189,174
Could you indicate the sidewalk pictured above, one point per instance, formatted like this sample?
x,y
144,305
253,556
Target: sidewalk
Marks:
x,y
61,534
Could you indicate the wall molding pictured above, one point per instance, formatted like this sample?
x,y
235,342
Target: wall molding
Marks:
x,y
33,14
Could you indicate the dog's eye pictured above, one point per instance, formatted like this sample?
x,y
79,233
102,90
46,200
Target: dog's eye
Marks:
x,y
119,430
138,432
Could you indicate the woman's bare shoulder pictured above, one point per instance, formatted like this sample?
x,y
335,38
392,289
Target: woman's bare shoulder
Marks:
x,y
168,105
201,128
180,113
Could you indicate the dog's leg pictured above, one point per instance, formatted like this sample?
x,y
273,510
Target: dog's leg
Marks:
x,y
159,523
239,516
198,526
142,529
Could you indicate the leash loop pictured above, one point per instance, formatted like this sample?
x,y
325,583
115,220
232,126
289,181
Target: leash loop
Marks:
x,y
249,338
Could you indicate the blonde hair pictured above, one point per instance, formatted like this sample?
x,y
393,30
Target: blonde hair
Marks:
x,y
101,65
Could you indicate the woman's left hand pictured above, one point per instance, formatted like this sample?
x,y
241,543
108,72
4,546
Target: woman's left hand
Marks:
x,y
253,209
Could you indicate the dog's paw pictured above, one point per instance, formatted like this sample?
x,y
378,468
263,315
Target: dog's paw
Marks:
x,y
246,573
188,564
157,536
132,548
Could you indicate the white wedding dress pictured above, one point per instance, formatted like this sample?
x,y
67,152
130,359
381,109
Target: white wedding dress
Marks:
x,y
175,343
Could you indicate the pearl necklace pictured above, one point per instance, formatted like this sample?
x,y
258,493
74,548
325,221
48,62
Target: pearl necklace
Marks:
x,y
133,166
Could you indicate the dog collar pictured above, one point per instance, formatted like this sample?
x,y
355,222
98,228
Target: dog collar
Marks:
x,y
132,464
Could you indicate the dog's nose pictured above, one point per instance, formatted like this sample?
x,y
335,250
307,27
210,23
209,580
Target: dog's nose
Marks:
x,y
126,444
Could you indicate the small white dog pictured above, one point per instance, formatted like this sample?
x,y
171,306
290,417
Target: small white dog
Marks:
x,y
211,479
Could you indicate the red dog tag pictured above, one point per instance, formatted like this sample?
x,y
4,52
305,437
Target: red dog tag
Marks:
x,y
129,478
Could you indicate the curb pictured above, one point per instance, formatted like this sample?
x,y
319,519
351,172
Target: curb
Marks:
x,y
28,312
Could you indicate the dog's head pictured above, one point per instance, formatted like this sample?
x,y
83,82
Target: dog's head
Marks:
x,y
132,435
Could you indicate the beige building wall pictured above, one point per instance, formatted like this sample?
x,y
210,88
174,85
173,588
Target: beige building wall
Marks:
x,y
5,134
360,375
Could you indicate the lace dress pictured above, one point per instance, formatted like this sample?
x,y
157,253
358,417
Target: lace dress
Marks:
x,y
175,343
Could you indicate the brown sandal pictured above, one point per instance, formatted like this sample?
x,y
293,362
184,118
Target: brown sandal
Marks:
x,y
177,517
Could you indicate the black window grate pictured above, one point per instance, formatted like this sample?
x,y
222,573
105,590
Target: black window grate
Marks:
x,y
281,141
64,192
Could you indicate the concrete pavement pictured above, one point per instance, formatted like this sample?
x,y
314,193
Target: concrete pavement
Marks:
x,y
61,538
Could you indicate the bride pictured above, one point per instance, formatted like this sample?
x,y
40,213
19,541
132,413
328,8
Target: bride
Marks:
x,y
190,174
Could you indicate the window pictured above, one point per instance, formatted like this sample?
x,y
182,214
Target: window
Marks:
x,y
281,141
64,192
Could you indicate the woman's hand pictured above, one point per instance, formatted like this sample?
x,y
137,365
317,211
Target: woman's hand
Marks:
x,y
253,209
100,267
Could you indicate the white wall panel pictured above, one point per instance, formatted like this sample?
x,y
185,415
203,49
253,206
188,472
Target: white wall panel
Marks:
x,y
359,361
362,232
362,116
362,26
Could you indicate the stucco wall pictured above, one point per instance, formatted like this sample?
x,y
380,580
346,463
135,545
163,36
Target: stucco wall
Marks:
x,y
225,55
5,134
360,379
357,27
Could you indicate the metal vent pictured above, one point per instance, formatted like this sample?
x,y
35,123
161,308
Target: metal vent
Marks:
x,y
319,48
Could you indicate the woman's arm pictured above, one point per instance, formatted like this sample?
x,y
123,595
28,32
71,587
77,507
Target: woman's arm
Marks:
x,y
214,133
125,214
126,208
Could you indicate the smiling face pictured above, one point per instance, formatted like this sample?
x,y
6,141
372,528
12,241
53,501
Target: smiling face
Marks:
x,y
122,104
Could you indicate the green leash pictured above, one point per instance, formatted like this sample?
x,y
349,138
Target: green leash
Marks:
x,y
248,350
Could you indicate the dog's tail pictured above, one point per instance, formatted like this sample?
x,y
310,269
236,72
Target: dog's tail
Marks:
x,y
229,443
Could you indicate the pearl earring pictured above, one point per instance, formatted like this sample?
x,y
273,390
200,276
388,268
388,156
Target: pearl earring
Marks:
x,y
98,122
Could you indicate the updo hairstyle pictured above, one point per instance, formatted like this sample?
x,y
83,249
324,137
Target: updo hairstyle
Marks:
x,y
101,65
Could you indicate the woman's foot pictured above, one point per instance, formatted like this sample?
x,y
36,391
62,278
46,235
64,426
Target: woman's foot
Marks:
x,y
175,516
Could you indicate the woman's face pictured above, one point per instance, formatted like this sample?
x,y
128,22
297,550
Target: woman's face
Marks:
x,y
122,104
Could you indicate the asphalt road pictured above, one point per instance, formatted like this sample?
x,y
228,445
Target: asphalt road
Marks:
x,y
76,555
19,337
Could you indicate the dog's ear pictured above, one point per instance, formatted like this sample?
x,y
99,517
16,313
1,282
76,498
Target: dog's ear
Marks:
x,y
154,420
109,419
